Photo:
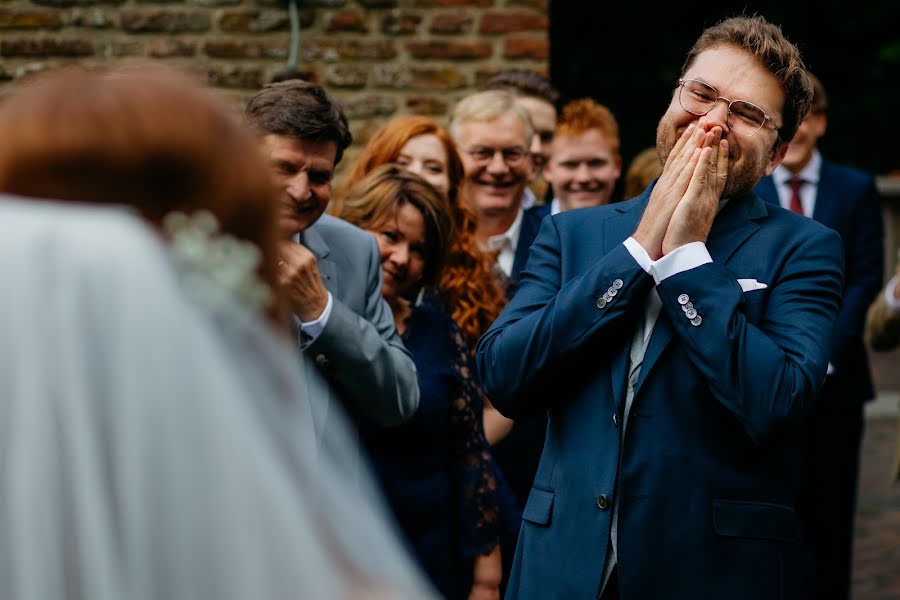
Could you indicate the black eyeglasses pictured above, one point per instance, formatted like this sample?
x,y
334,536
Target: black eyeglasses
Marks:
x,y
744,118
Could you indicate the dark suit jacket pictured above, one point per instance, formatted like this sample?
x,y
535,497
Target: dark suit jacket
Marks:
x,y
847,202
707,474
519,453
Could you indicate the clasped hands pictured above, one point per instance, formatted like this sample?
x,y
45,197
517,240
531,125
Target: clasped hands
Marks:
x,y
298,273
684,202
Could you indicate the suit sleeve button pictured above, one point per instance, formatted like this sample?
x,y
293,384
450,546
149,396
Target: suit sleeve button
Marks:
x,y
602,502
618,283
684,299
601,302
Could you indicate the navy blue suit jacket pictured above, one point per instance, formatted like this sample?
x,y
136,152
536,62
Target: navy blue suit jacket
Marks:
x,y
847,201
708,470
531,224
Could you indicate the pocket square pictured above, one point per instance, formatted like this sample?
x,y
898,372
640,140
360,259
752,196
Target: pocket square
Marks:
x,y
748,285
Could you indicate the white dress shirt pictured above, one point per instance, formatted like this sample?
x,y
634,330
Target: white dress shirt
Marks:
x,y
506,242
810,176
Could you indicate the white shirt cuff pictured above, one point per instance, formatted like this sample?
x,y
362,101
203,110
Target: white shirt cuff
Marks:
x,y
314,328
687,257
638,253
889,289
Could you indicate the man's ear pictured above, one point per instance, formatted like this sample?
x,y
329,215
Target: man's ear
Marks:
x,y
777,155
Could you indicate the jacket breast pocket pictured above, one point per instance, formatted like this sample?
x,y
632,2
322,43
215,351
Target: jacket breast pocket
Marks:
x,y
539,507
756,520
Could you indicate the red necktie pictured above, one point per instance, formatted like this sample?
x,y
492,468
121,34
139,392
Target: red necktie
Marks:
x,y
796,204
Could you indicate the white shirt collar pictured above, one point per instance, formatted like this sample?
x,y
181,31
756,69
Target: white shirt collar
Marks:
x,y
506,243
809,173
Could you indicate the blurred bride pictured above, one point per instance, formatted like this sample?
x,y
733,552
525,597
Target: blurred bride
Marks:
x,y
156,439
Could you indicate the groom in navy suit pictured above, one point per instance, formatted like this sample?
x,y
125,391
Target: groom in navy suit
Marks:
x,y
845,200
677,341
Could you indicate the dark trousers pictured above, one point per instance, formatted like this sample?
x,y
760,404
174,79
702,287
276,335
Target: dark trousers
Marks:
x,y
827,502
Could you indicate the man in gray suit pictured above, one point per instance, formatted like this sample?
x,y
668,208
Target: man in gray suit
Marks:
x,y
331,270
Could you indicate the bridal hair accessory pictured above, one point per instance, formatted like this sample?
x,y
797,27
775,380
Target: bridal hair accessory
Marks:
x,y
211,256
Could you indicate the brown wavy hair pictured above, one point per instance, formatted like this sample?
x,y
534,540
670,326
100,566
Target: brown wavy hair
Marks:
x,y
147,137
467,285
377,198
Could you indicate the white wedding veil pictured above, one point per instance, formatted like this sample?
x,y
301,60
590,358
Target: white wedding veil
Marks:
x,y
151,448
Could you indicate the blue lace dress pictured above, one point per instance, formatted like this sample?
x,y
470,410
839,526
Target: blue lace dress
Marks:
x,y
436,469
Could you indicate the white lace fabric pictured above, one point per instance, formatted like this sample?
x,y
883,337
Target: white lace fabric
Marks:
x,y
151,448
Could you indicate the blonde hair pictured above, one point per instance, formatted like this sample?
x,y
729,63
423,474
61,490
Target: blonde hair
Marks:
x,y
490,106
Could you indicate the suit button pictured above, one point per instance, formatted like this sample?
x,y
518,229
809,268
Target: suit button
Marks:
x,y
618,283
615,420
323,361
602,502
684,299
601,303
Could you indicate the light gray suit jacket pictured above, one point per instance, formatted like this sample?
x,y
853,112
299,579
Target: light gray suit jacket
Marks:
x,y
358,351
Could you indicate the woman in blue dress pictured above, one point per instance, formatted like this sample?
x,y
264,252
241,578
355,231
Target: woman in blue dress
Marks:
x,y
435,469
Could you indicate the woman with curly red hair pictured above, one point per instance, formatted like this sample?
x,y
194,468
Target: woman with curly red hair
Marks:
x,y
467,288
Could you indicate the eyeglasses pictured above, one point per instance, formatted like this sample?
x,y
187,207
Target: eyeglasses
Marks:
x,y
512,156
744,118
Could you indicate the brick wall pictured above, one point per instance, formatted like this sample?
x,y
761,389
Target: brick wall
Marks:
x,y
381,58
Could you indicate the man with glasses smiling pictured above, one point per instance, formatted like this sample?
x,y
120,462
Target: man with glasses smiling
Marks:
x,y
677,340
493,132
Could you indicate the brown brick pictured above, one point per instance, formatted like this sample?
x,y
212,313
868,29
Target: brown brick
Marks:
x,y
235,48
306,74
346,20
325,3
44,47
454,2
366,107
68,3
29,19
254,21
483,74
95,18
333,50
119,48
402,77
170,48
536,4
378,3
449,49
451,23
511,22
399,22
426,105
214,2
532,48
232,76
164,21
347,76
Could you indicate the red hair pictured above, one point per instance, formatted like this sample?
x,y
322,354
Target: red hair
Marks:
x,y
467,285
146,137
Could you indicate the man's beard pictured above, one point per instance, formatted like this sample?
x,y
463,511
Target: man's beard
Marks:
x,y
742,178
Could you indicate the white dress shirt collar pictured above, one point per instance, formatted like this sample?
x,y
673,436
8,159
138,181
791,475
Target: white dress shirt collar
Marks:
x,y
506,243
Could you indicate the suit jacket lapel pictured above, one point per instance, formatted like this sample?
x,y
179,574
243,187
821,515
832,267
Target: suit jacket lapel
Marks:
x,y
313,240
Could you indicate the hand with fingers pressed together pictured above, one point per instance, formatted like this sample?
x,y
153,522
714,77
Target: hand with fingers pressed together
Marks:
x,y
684,201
